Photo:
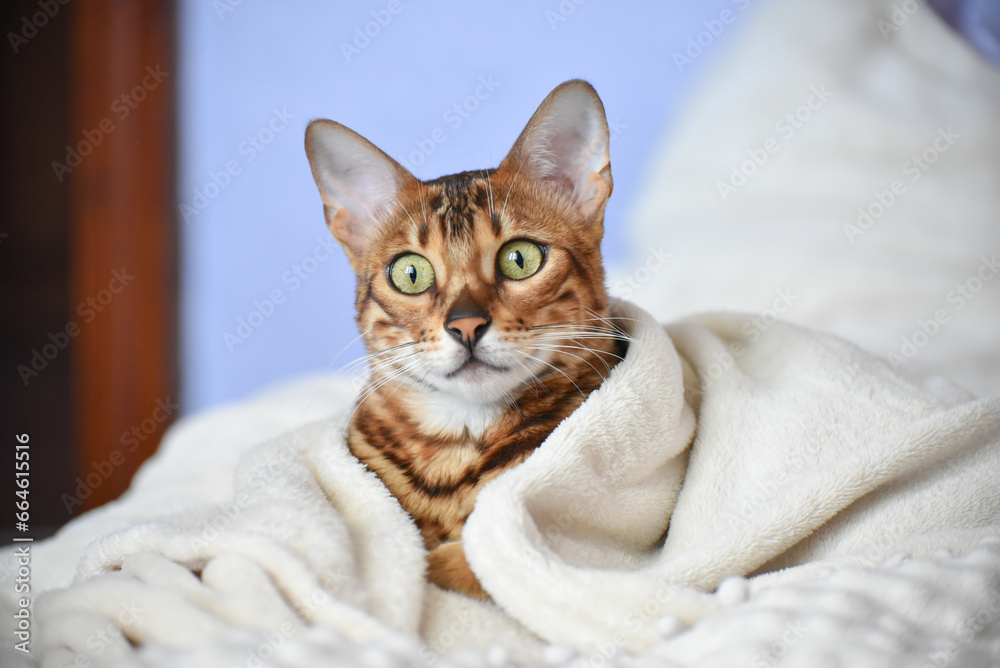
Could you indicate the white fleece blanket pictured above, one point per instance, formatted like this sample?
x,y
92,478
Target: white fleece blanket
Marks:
x,y
813,463
895,284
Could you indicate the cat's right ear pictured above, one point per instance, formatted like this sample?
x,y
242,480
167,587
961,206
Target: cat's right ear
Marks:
x,y
565,145
357,182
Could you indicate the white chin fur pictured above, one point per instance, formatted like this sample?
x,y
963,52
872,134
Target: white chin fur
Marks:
x,y
483,384
472,398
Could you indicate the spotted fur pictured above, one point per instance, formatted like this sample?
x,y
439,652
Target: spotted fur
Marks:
x,y
441,417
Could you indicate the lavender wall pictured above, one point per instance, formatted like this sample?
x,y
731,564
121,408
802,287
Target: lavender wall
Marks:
x,y
442,87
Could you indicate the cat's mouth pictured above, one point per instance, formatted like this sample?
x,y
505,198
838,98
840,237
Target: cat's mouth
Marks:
x,y
474,366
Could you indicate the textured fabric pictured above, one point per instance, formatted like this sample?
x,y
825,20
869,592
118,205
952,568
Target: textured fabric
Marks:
x,y
810,456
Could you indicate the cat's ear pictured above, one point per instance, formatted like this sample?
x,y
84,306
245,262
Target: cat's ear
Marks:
x,y
357,182
566,144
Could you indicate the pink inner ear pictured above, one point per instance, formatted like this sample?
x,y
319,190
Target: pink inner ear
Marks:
x,y
564,152
357,182
350,232
568,142
354,176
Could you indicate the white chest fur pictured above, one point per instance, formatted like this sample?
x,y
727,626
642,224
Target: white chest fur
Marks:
x,y
452,416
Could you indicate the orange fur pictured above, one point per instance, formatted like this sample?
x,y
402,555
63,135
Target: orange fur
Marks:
x,y
446,412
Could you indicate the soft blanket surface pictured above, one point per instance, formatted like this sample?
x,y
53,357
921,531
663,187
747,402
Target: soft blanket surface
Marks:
x,y
793,227
812,465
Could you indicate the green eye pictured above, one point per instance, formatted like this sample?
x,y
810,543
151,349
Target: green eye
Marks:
x,y
412,273
520,259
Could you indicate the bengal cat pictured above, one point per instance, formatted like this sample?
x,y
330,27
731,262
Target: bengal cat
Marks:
x,y
481,302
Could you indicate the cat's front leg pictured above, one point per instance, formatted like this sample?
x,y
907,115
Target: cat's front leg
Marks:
x,y
448,569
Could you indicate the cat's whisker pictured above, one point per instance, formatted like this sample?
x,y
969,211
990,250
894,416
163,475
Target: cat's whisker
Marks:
x,y
312,398
378,375
609,318
394,363
400,205
512,404
565,337
489,184
387,364
374,361
512,182
391,352
569,333
403,403
571,336
375,355
423,208
579,346
357,365
541,361
582,321
589,343
564,349
581,331
534,381
381,360
378,382
410,371
568,330
608,321
384,351
586,322
371,387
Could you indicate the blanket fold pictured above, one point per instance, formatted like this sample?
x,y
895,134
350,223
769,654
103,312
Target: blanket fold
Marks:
x,y
807,449
715,449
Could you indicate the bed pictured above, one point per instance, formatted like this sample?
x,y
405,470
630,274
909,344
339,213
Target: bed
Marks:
x,y
839,173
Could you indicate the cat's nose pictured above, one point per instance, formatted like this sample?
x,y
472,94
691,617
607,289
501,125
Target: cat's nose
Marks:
x,y
467,329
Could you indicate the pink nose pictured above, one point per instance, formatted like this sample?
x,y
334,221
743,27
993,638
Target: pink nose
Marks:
x,y
467,329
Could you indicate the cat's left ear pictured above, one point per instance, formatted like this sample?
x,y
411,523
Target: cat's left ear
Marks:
x,y
357,182
566,144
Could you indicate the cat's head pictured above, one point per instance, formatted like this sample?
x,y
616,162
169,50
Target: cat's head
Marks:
x,y
478,283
